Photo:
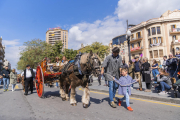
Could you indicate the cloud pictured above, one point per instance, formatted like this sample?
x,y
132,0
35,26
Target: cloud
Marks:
x,y
12,51
136,11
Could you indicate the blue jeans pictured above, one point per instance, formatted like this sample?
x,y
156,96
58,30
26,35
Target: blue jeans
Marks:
x,y
56,84
1,81
6,83
155,72
164,86
13,86
173,73
113,86
126,97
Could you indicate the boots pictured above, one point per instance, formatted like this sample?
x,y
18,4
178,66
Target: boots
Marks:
x,y
113,104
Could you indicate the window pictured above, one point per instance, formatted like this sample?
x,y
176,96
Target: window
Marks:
x,y
138,44
154,40
150,54
155,53
139,34
159,40
160,53
149,32
173,26
177,48
174,37
153,30
149,41
132,45
158,30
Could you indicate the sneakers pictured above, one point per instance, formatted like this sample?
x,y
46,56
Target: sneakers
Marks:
x,y
119,102
115,100
113,105
7,90
4,90
131,88
162,93
129,108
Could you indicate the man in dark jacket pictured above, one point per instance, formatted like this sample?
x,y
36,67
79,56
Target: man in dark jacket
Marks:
x,y
6,73
137,72
29,74
172,66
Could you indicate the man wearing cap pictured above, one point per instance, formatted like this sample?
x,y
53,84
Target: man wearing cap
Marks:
x,y
5,73
29,74
137,70
112,66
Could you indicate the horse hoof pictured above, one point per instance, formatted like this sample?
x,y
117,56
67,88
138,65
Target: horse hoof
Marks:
x,y
74,104
85,105
63,99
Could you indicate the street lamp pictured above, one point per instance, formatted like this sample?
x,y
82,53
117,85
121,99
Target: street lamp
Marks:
x,y
128,34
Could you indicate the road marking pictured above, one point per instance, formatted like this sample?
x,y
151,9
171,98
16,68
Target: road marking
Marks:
x,y
162,103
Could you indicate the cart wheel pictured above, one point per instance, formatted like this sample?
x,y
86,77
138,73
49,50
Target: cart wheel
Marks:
x,y
39,82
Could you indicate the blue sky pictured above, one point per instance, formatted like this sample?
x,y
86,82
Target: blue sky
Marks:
x,y
87,20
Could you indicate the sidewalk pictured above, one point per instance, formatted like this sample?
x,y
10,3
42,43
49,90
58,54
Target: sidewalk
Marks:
x,y
139,94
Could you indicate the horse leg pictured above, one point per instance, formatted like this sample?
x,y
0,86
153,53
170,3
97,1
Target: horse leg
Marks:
x,y
73,101
67,91
86,97
63,96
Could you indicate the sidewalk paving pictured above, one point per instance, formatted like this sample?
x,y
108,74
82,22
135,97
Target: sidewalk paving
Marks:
x,y
139,94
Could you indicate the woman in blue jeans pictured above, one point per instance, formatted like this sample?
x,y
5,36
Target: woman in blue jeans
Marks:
x,y
154,68
164,82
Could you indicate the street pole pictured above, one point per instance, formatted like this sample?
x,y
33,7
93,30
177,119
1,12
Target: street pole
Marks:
x,y
128,40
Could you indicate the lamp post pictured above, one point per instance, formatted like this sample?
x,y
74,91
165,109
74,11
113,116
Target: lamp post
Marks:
x,y
128,34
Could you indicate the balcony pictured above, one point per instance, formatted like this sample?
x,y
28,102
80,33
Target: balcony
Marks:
x,y
136,49
136,39
155,45
174,31
176,42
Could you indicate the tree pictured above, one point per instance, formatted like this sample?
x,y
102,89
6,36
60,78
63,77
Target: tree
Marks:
x,y
98,48
35,51
70,53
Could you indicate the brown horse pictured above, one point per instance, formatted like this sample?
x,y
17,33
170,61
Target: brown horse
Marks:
x,y
90,64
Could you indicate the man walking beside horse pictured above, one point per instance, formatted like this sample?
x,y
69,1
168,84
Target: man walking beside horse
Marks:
x,y
112,66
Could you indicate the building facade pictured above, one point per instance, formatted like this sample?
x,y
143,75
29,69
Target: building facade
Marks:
x,y
120,42
57,34
156,37
2,54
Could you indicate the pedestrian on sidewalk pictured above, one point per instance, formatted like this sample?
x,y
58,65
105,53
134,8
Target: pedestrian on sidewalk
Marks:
x,y
147,74
164,82
164,63
1,79
125,90
137,70
6,74
112,66
29,75
131,71
172,66
154,68
13,79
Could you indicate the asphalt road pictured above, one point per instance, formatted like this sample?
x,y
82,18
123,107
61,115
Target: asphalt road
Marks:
x,y
16,106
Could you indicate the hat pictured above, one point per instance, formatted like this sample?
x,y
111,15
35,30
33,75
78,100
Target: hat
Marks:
x,y
136,57
27,65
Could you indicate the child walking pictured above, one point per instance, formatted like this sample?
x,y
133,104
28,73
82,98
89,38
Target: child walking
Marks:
x,y
125,83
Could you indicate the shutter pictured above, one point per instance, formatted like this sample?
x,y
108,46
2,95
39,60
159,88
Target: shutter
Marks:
x,y
161,39
136,35
140,34
157,40
175,26
171,27
133,35
151,41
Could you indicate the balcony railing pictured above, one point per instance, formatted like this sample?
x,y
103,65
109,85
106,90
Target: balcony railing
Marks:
x,y
138,38
136,48
155,45
176,41
174,30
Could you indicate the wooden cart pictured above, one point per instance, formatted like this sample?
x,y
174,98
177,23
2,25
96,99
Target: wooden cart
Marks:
x,y
43,76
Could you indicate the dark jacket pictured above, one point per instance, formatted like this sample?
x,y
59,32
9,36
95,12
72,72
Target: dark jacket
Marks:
x,y
124,65
6,72
146,72
172,64
139,65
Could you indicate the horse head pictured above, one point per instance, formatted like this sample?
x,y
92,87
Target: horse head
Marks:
x,y
90,62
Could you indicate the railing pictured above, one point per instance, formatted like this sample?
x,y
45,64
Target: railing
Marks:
x,y
174,30
140,37
137,48
176,41
155,45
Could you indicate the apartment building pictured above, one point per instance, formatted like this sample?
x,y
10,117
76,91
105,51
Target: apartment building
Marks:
x,y
2,54
156,37
57,34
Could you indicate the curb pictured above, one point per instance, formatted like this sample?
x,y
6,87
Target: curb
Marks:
x,y
170,100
